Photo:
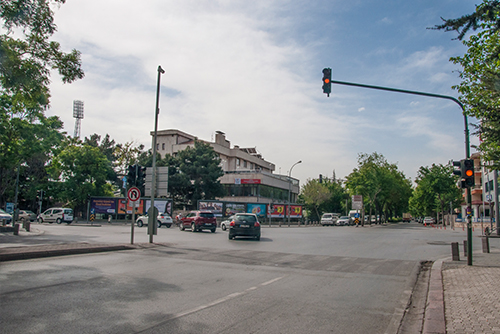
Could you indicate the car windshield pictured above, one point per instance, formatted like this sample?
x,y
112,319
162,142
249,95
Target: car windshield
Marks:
x,y
327,216
246,219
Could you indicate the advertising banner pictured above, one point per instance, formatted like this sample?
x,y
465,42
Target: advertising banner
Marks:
x,y
247,181
163,205
214,207
232,208
295,211
258,209
124,207
103,205
277,210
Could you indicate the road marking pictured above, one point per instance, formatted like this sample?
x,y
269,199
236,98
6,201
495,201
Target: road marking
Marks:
x,y
215,302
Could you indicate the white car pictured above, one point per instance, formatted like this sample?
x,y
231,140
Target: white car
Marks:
x,y
329,219
4,216
224,225
57,215
162,219
344,221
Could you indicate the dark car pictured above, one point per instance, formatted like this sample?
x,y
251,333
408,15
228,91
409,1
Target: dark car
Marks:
x,y
244,224
198,221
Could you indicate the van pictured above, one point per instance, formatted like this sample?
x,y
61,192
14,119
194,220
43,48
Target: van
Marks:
x,y
329,219
57,215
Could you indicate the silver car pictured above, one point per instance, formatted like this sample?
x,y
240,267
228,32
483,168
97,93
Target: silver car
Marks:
x,y
27,216
56,215
4,216
162,219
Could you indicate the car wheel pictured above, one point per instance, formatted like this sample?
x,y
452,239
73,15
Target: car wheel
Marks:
x,y
231,236
140,223
193,227
58,220
257,237
40,221
169,225
181,226
213,230
223,227
159,224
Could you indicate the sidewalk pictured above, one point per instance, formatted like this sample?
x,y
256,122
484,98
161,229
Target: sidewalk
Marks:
x,y
468,295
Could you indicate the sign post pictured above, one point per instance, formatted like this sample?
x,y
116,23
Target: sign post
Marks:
x,y
133,195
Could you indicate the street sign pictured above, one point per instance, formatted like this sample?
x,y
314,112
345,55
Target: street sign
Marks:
x,y
134,194
357,202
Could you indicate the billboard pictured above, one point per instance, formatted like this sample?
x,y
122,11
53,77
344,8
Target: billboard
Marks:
x,y
295,211
124,207
232,208
163,205
258,209
276,210
213,206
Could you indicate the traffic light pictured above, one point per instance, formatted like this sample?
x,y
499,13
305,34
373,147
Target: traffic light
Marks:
x,y
320,178
458,171
131,176
327,81
141,178
468,172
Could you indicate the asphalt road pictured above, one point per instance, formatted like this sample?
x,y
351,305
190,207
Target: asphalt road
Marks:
x,y
295,280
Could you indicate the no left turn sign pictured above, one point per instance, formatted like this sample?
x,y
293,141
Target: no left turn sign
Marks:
x,y
134,194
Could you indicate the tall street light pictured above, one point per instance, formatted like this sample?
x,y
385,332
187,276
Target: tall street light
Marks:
x,y
290,189
153,182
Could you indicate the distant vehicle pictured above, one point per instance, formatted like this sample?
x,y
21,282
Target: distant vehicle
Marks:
x,y
198,221
406,218
428,220
161,219
224,225
329,219
344,221
27,215
244,224
4,216
57,215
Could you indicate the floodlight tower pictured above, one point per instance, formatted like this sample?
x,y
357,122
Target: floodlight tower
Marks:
x,y
78,115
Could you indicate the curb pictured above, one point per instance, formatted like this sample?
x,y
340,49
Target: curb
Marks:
x,y
33,252
434,317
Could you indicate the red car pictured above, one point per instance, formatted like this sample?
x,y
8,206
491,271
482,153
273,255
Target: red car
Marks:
x,y
198,221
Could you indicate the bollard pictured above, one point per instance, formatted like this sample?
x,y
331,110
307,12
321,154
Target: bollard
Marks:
x,y
465,247
454,251
486,245
16,229
27,226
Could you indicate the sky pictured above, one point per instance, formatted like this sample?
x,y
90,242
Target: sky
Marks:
x,y
253,70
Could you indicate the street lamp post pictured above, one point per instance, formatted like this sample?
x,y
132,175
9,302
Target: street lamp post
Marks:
x,y
290,189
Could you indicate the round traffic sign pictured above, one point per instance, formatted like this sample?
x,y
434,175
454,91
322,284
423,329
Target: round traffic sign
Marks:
x,y
134,194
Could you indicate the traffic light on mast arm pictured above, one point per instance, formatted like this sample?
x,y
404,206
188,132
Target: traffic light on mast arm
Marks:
x,y
468,172
327,81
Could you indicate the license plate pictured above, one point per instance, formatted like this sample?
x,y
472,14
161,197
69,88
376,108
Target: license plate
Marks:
x,y
244,225
208,224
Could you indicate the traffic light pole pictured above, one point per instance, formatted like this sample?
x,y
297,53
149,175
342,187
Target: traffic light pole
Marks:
x,y
467,142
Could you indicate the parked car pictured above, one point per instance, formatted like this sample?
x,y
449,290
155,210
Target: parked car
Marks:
x,y
27,215
163,219
428,220
244,224
58,215
198,221
329,219
4,216
344,221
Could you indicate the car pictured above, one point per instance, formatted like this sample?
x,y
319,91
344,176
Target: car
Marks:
x,y
199,221
224,225
343,221
163,219
428,220
57,215
5,217
27,215
244,224
329,219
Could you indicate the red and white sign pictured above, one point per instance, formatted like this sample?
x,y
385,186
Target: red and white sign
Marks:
x,y
134,194
247,181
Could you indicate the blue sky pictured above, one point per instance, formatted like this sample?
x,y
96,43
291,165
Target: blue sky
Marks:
x,y
253,70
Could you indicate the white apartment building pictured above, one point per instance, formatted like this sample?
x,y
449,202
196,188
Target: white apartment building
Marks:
x,y
248,177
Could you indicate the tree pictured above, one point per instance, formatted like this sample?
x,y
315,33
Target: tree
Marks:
x,y
436,187
83,170
480,86
25,67
314,194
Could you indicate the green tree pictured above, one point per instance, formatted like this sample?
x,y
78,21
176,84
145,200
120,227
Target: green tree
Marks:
x,y
480,74
313,194
82,170
436,187
26,135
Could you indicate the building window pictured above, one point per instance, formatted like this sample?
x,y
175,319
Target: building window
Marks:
x,y
237,161
157,147
163,146
245,163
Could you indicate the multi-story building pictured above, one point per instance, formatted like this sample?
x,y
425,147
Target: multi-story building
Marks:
x,y
248,177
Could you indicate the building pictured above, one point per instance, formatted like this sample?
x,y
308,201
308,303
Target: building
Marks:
x,y
248,177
